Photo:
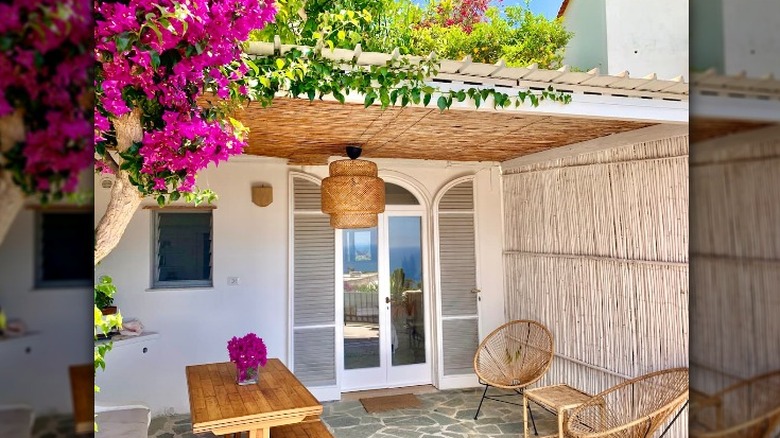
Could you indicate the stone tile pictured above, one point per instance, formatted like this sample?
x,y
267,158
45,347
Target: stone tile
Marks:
x,y
511,428
445,414
446,410
361,431
157,424
370,420
179,429
458,428
488,429
455,402
466,414
490,420
410,421
342,421
401,433
442,419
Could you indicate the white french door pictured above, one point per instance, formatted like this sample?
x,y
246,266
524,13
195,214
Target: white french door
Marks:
x,y
385,295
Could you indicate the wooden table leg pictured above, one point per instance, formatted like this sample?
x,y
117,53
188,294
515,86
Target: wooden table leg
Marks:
x,y
260,433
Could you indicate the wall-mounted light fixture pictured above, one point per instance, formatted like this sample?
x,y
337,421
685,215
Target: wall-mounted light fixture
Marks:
x,y
262,195
353,194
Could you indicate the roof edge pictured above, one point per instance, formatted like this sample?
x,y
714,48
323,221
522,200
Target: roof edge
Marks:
x,y
562,9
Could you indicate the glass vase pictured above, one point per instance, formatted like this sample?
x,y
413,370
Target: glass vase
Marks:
x,y
250,376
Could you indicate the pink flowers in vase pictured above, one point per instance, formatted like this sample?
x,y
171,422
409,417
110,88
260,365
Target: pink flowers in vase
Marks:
x,y
247,352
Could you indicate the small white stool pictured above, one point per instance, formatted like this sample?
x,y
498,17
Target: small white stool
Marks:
x,y
16,421
123,421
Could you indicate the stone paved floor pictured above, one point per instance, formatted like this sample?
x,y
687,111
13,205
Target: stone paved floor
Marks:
x,y
53,426
443,414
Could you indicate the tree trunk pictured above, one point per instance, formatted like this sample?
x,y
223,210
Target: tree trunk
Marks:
x,y
11,196
125,197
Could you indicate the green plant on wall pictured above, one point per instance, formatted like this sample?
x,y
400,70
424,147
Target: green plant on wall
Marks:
x,y
104,324
104,292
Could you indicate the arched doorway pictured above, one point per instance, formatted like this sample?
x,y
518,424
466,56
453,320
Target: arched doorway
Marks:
x,y
384,291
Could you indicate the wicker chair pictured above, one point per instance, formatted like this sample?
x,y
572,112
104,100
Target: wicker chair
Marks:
x,y
747,408
635,408
513,356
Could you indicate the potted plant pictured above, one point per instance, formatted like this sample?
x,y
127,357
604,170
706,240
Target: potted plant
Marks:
x,y
104,295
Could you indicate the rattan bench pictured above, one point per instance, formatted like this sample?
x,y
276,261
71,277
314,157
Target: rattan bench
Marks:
x,y
309,429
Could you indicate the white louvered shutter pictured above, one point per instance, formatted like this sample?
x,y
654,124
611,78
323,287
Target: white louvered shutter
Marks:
x,y
458,279
314,296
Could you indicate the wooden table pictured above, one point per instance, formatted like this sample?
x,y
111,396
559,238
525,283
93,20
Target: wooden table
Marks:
x,y
555,398
219,405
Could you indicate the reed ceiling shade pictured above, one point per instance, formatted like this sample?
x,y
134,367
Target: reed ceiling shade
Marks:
x,y
353,194
309,133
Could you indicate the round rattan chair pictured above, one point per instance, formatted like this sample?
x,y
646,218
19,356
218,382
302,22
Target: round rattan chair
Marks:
x,y
634,408
748,408
513,356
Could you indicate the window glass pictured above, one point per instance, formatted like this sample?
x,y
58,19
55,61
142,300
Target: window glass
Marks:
x,y
397,195
64,250
183,249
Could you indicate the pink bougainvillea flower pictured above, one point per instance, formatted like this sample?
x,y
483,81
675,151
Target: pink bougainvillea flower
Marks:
x,y
246,352
162,55
45,73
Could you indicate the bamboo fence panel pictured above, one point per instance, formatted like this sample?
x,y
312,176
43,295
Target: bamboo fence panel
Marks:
x,y
596,248
736,208
673,147
735,261
628,318
626,209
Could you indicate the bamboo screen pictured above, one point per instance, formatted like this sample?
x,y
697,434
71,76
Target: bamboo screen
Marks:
x,y
596,248
735,261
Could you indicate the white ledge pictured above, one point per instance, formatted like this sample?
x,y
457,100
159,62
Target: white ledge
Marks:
x,y
122,340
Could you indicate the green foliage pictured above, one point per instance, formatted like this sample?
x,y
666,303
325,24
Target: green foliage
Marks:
x,y
378,25
514,34
104,324
517,36
400,82
104,292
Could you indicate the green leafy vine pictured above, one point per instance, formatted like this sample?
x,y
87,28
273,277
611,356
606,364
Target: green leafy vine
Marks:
x,y
401,82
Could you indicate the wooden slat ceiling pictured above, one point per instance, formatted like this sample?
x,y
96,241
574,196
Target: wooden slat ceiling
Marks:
x,y
709,128
308,133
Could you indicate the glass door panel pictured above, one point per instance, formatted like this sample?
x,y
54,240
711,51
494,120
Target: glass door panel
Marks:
x,y
406,290
361,299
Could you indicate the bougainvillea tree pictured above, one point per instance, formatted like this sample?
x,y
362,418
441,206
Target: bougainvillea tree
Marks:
x,y
154,130
45,100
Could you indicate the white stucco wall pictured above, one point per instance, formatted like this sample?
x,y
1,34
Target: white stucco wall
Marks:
x,y
61,319
648,36
751,38
250,243
587,49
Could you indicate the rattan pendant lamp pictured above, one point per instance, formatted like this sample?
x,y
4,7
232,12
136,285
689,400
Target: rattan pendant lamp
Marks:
x,y
353,195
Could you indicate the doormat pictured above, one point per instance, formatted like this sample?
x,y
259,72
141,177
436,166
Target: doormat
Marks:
x,y
390,402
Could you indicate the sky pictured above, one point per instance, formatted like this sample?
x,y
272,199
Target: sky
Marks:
x,y
548,8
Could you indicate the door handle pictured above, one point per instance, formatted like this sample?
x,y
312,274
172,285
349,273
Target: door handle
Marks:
x,y
475,291
387,300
